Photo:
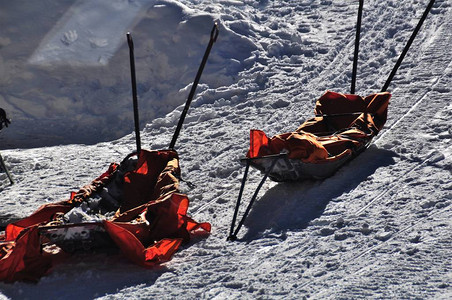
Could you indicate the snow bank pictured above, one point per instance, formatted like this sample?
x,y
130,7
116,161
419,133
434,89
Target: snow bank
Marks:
x,y
74,87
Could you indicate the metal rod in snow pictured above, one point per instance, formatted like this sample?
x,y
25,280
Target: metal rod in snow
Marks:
x,y
213,38
407,47
355,57
134,92
256,192
231,236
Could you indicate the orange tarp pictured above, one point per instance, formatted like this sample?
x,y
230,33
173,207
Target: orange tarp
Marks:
x,y
342,122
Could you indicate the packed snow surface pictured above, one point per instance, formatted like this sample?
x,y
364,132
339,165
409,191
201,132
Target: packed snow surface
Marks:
x,y
380,228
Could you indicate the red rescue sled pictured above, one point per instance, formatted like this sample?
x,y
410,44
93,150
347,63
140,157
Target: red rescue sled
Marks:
x,y
148,220
135,206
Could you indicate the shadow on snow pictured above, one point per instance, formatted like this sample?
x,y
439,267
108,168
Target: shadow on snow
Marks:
x,y
86,276
293,205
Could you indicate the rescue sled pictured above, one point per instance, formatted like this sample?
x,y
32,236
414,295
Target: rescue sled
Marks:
x,y
343,127
135,207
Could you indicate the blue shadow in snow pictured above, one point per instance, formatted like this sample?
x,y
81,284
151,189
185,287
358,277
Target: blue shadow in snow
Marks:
x,y
85,277
293,205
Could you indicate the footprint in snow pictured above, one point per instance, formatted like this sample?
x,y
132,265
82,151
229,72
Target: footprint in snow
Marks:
x,y
69,37
98,42
383,236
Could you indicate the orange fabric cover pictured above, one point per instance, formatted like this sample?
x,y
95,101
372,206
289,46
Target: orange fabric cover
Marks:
x,y
317,139
151,201
299,145
331,103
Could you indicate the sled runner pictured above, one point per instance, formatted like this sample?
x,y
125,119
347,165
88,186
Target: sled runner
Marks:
x,y
135,207
343,127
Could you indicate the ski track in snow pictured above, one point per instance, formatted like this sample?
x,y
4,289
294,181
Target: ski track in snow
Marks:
x,y
379,228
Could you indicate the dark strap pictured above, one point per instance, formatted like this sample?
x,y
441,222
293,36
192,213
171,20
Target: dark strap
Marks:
x,y
340,115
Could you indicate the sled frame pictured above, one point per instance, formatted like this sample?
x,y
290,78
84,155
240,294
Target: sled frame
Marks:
x,y
77,237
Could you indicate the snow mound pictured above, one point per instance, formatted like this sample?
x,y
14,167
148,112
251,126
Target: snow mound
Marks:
x,y
75,87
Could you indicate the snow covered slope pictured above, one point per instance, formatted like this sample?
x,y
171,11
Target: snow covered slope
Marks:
x,y
379,228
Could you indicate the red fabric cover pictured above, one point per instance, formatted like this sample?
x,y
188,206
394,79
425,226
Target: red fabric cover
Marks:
x,y
134,249
258,140
317,139
151,201
22,259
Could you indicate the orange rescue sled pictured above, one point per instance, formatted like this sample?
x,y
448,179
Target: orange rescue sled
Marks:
x,y
343,127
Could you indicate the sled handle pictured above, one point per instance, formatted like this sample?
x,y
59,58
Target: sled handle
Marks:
x,y
233,233
134,92
355,56
213,39
4,121
407,47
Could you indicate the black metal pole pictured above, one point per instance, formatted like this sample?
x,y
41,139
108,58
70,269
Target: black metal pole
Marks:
x,y
134,92
407,47
231,236
355,56
213,38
